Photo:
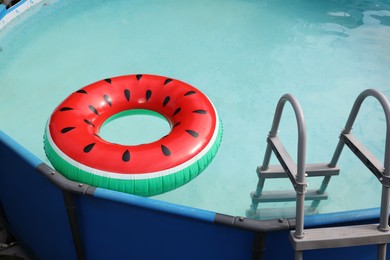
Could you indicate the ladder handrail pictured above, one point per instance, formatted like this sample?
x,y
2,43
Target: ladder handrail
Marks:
x,y
301,130
378,234
352,116
386,172
383,175
300,182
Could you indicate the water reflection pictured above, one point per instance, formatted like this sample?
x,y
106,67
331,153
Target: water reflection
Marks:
x,y
333,16
352,14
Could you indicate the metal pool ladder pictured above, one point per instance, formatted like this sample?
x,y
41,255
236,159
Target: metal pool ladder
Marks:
x,y
296,173
331,237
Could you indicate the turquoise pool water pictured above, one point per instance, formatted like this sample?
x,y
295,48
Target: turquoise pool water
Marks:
x,y
243,54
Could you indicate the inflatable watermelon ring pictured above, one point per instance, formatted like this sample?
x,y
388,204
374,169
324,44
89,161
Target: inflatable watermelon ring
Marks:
x,y
74,147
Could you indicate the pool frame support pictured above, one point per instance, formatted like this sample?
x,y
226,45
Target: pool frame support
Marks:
x,y
68,188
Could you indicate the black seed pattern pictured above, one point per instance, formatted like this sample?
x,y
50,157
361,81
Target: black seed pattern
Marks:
x,y
176,111
93,109
139,76
127,94
88,148
200,111
89,122
178,123
107,99
67,129
82,91
190,93
193,133
126,156
166,100
108,80
167,81
165,150
148,94
62,109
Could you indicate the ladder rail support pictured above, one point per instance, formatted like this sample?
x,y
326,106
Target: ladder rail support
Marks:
x,y
367,158
284,158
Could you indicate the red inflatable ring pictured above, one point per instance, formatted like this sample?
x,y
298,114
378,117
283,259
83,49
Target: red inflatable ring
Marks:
x,y
74,147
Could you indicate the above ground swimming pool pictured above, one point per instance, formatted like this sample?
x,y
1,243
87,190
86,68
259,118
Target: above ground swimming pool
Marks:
x,y
244,55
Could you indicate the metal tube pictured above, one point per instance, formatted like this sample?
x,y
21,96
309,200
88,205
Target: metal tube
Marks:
x,y
258,246
70,208
260,186
278,115
300,165
383,224
381,252
301,139
354,111
300,212
300,178
259,189
321,190
386,108
267,157
324,185
298,255
385,200
337,154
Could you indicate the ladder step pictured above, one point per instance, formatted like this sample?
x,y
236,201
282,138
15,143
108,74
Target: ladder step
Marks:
x,y
285,196
312,170
340,237
282,212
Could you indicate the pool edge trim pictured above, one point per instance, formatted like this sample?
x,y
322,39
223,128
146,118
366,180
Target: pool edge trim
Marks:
x,y
8,15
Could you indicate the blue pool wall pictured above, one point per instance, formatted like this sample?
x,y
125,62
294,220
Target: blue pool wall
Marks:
x,y
111,224
54,218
